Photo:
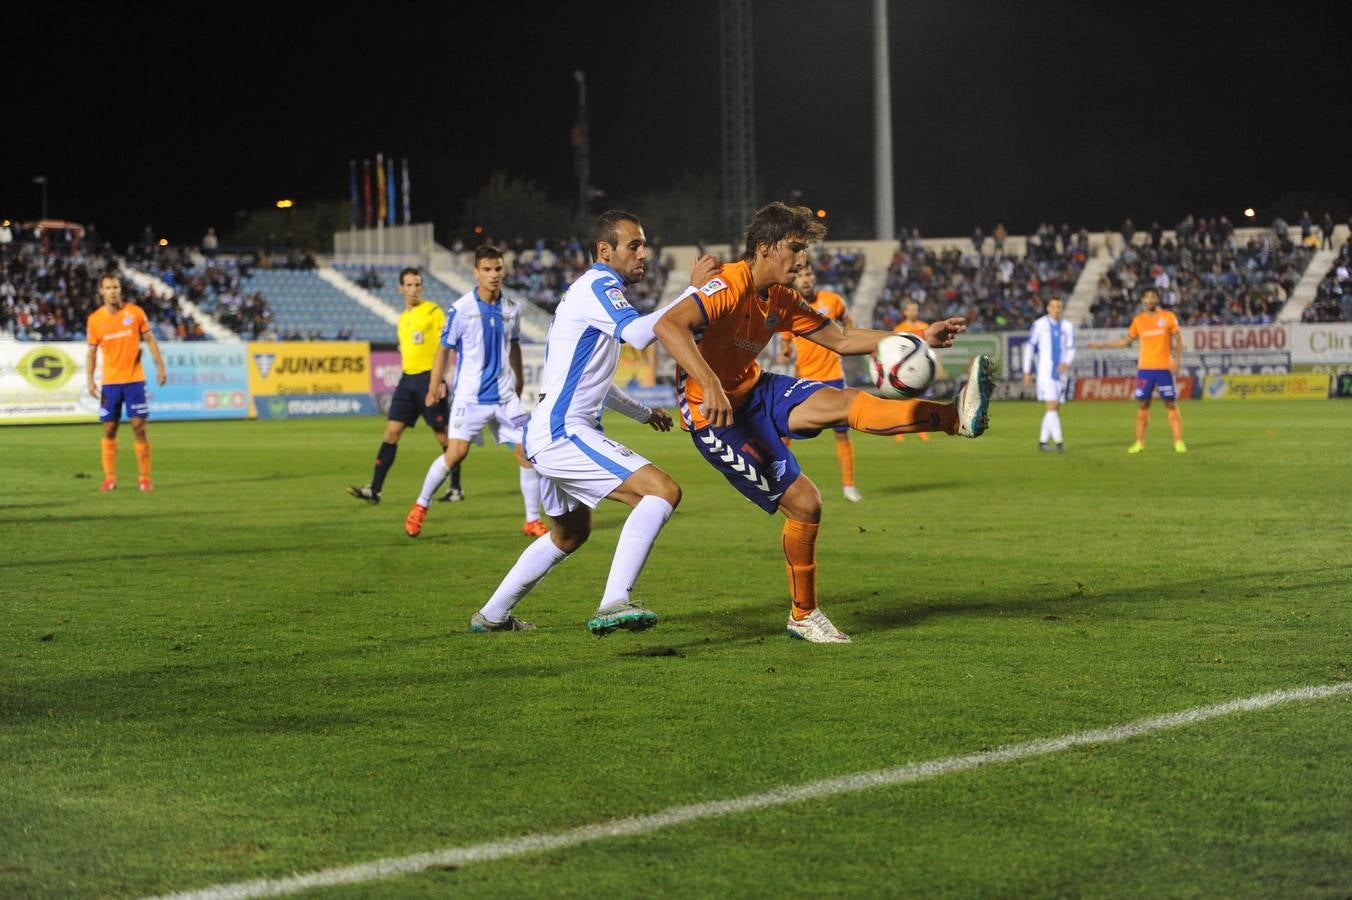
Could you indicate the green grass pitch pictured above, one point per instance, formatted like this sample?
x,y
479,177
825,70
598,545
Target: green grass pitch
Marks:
x,y
247,673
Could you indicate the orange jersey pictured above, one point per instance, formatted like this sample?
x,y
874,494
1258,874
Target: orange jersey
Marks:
x,y
1154,330
118,334
738,325
815,362
916,328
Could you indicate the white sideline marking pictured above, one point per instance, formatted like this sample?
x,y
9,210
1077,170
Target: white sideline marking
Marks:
x,y
678,815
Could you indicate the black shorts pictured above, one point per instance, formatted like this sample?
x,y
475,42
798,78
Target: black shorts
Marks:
x,y
409,399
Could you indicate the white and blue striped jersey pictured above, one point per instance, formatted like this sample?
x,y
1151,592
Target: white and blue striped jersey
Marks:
x,y
481,335
1053,342
581,355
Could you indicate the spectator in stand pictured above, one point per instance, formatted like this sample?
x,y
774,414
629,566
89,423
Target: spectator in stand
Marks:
x,y
1326,231
6,235
1306,226
999,235
210,243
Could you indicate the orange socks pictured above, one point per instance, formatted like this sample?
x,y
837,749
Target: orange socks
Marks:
x,y
143,458
1176,423
878,416
799,540
845,453
1142,419
109,458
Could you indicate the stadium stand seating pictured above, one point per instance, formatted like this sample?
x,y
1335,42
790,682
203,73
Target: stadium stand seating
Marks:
x,y
383,282
1205,276
996,290
1333,299
48,296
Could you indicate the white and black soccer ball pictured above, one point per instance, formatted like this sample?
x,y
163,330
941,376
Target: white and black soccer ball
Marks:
x,y
902,365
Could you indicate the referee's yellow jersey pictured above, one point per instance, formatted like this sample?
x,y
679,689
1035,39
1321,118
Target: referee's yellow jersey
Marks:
x,y
419,329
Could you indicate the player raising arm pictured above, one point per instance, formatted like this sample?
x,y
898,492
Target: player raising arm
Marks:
x,y
1157,366
738,415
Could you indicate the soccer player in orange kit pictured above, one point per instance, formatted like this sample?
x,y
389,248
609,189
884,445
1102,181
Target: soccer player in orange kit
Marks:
x,y
1157,366
117,328
738,415
817,363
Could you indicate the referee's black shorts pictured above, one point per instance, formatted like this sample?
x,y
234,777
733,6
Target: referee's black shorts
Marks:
x,y
409,402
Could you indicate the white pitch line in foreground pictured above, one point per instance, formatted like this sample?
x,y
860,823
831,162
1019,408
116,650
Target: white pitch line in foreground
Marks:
x,y
679,815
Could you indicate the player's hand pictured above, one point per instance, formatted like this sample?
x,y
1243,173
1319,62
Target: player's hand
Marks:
x,y
717,408
1027,378
1063,369
704,268
941,333
161,378
660,420
93,390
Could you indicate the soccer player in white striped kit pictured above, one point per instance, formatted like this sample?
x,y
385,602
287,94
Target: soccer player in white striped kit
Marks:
x,y
1052,341
578,465
482,336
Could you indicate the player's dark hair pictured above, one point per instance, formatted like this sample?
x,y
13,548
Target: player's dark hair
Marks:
x,y
1150,290
107,275
776,221
487,251
409,271
607,228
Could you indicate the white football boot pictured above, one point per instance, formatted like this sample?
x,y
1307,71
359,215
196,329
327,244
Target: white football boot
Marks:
x,y
817,629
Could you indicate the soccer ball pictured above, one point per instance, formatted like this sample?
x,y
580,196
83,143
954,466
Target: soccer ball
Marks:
x,y
902,365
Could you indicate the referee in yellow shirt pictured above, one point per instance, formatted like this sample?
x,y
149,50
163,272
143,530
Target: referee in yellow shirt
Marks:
x,y
420,325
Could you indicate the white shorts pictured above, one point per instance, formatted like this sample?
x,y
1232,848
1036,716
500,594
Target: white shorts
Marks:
x,y
504,420
582,468
1051,389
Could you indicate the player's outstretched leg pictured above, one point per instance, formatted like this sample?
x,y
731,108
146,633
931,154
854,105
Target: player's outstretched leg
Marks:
x,y
654,497
974,400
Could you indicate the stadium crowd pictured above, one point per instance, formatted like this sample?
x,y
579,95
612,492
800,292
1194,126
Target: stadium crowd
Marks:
x,y
1203,274
994,290
1333,300
47,295
542,272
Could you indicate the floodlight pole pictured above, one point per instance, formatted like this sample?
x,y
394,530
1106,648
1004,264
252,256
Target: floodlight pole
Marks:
x,y
884,216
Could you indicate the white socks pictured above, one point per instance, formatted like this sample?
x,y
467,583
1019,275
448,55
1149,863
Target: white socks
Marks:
x,y
532,565
1051,427
436,474
631,552
530,492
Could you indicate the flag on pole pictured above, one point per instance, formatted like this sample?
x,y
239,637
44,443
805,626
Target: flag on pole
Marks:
x,y
380,189
408,209
352,189
389,186
366,189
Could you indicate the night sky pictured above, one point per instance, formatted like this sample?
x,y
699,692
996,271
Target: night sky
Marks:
x,y
1002,112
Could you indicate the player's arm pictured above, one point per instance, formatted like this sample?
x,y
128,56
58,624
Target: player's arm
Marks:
x,y
675,332
514,358
1175,352
161,376
436,385
1111,345
1067,351
855,341
622,403
90,361
1028,358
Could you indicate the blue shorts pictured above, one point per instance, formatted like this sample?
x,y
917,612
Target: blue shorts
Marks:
x,y
132,393
750,452
410,401
1149,379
